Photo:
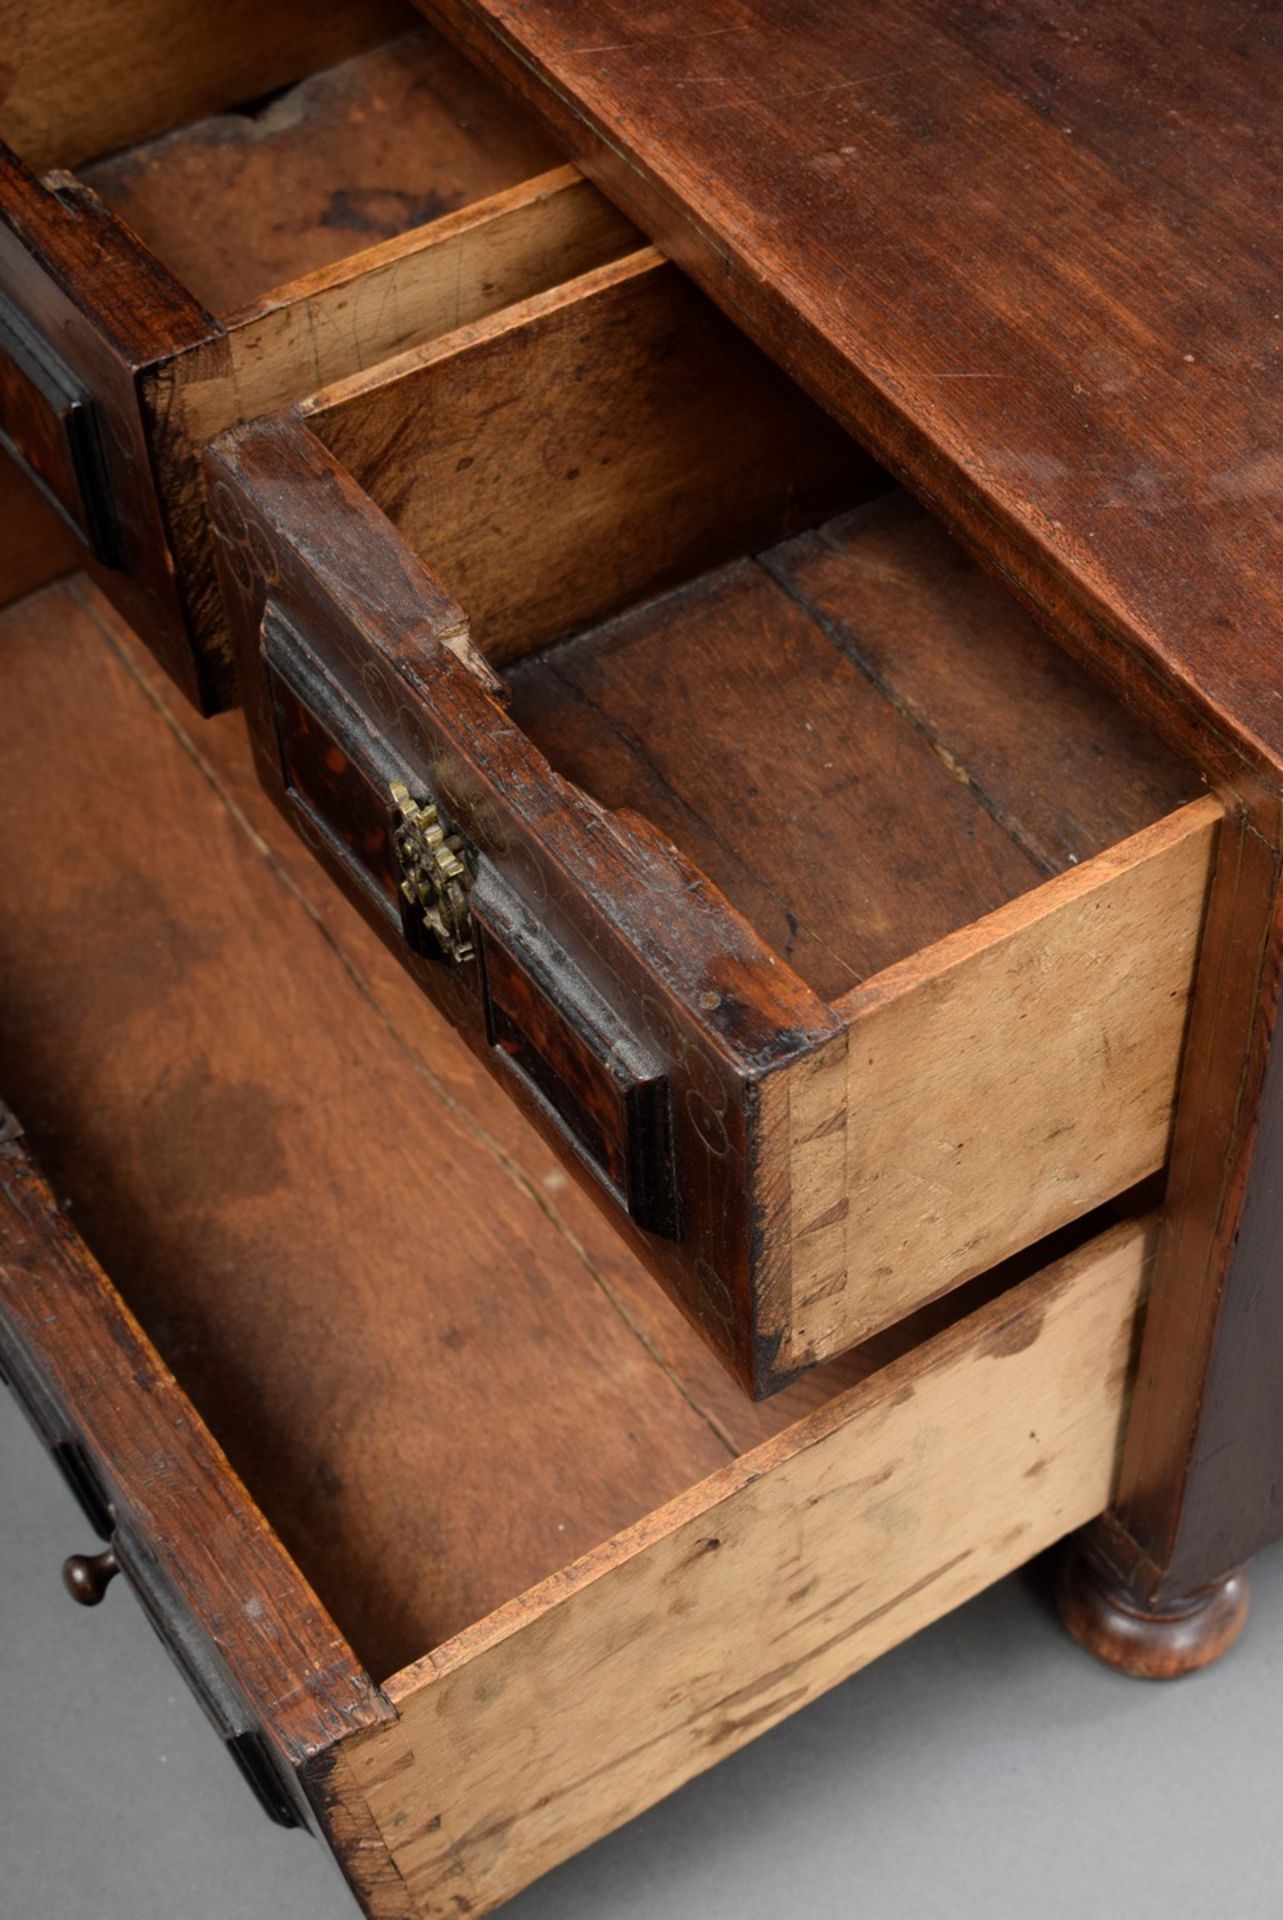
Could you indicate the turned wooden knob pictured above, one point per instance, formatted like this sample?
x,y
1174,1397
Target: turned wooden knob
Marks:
x,y
87,1576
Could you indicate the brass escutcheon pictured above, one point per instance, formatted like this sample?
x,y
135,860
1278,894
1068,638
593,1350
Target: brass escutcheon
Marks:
x,y
434,879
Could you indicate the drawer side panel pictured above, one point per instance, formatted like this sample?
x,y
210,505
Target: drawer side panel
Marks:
x,y
593,1696
996,1086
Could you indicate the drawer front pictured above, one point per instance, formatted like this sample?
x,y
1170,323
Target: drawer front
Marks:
x,y
88,1575
269,1669
565,1042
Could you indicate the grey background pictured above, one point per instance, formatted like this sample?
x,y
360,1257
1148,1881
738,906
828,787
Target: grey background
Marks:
x,y
986,1768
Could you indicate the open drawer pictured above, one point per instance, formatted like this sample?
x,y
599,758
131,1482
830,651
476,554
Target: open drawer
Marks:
x,y
458,1529
240,260
836,926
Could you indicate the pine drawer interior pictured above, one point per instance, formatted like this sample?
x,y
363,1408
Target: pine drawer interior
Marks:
x,y
440,1376
234,262
972,883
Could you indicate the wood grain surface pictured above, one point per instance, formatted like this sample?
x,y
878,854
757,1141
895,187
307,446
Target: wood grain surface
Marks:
x,y
1000,1084
861,740
1065,769
241,202
593,444
588,1699
90,76
35,545
391,296
337,321
1023,253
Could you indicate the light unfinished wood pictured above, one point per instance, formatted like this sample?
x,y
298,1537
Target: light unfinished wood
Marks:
x,y
990,1088
385,299
88,76
331,324
581,449
582,1703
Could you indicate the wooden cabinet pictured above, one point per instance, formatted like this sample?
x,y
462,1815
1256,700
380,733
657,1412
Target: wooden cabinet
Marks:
x,y
843,821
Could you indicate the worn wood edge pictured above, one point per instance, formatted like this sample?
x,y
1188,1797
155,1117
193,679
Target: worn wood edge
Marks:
x,y
987,1326
269,356
342,394
800,1116
191,1508
366,262
599,1692
1197,818
239,376
349,1827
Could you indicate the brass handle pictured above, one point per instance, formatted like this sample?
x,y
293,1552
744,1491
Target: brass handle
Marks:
x,y
87,1576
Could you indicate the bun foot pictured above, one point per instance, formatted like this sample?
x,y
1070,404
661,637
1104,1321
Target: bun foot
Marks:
x,y
1149,1640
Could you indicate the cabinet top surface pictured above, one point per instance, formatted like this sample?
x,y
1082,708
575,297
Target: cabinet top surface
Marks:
x,y
1030,252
